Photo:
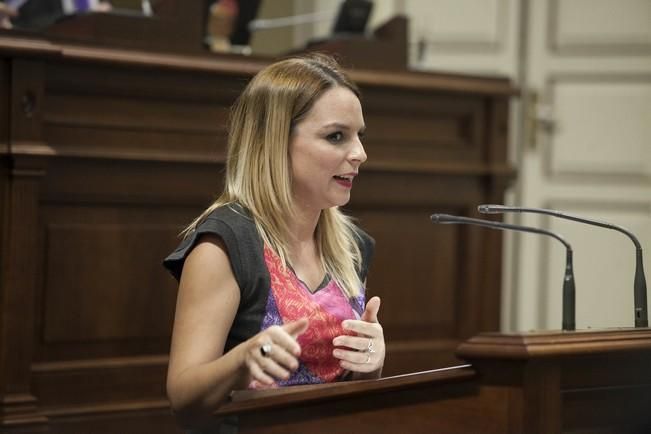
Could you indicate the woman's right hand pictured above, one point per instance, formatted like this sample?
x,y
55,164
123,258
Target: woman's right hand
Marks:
x,y
272,354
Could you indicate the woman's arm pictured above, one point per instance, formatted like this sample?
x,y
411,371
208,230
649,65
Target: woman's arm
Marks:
x,y
200,376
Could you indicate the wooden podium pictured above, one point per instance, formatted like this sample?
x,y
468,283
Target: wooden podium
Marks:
x,y
537,383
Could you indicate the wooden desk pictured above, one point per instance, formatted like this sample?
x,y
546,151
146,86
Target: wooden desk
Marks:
x,y
545,383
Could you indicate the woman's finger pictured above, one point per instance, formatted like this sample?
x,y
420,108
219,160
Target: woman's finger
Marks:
x,y
359,357
283,339
281,356
369,329
356,361
272,368
355,342
371,310
258,374
296,328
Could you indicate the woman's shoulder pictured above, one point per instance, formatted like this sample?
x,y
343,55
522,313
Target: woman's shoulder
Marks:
x,y
366,245
232,214
232,224
364,240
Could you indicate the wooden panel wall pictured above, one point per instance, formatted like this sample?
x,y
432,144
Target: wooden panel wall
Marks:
x,y
106,154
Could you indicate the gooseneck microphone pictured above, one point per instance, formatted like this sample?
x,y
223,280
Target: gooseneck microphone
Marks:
x,y
639,282
569,291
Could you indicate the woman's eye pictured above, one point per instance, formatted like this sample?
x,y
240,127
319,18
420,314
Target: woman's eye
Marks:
x,y
335,137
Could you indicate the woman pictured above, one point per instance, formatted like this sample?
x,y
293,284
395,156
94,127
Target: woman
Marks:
x,y
272,274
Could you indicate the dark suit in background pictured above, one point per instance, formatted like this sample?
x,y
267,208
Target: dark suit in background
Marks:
x,y
38,14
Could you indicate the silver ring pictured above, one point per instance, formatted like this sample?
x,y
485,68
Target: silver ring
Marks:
x,y
370,348
265,350
368,358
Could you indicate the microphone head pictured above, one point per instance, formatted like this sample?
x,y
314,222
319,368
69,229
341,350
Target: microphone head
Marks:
x,y
443,218
435,218
489,209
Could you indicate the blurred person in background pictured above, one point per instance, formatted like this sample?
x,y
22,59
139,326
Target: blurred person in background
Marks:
x,y
39,14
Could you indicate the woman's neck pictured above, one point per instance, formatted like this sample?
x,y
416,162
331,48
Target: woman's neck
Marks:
x,y
303,226
303,251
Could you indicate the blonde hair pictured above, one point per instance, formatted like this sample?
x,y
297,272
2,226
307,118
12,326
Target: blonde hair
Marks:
x,y
258,168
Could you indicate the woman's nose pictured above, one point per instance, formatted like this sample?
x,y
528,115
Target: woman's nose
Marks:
x,y
358,154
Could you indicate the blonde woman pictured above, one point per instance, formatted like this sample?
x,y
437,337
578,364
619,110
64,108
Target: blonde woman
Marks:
x,y
272,274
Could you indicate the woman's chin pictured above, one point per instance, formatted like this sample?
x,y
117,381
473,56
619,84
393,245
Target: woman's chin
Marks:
x,y
342,202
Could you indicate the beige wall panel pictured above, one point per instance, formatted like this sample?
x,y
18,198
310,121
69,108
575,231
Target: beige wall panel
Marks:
x,y
601,24
602,126
469,24
473,36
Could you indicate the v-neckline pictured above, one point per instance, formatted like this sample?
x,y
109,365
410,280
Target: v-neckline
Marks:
x,y
320,286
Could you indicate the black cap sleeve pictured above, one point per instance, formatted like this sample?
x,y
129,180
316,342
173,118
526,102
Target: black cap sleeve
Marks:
x,y
366,246
175,261
239,234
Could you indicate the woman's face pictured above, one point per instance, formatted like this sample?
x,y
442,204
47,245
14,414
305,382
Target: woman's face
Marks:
x,y
325,150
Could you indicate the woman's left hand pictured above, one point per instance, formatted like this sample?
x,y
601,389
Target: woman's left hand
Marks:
x,y
364,352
